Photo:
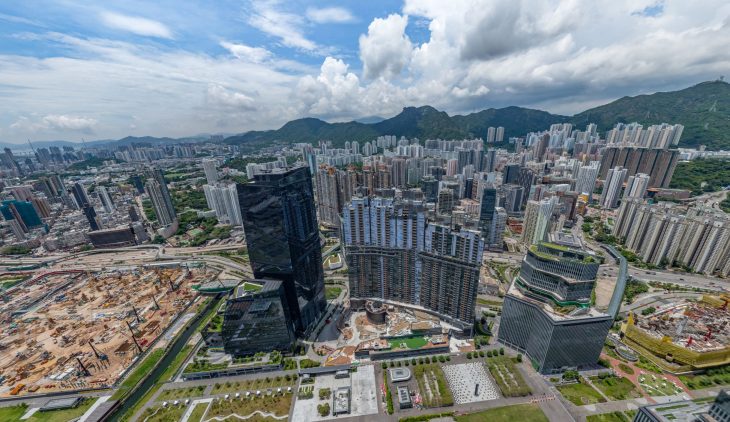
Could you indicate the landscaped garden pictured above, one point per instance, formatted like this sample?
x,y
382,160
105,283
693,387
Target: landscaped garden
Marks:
x,y
258,384
715,376
616,388
656,385
433,386
198,412
508,378
181,393
580,394
163,414
275,404
332,292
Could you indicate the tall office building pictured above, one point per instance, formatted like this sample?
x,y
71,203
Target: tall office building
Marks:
x,y
258,321
394,253
612,187
547,311
211,170
636,186
282,236
82,200
223,199
156,188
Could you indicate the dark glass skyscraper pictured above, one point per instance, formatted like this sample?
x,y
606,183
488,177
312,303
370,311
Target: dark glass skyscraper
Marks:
x,y
486,211
282,236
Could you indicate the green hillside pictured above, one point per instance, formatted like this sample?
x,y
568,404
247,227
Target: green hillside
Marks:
x,y
704,110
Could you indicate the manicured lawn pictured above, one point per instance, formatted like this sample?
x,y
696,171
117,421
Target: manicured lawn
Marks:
x,y
12,413
140,372
410,342
520,412
198,412
609,417
252,287
616,388
62,415
332,292
508,378
580,394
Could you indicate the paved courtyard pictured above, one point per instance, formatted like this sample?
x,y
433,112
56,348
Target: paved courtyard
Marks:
x,y
463,379
363,399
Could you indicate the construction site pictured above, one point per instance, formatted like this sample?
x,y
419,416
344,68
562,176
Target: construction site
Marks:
x,y
72,329
684,335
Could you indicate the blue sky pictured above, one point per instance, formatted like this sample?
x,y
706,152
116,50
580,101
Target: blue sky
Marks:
x,y
72,69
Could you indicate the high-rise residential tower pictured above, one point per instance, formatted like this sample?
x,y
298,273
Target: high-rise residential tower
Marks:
x,y
612,187
156,188
211,172
396,254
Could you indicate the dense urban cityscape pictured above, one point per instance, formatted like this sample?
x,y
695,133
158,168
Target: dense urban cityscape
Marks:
x,y
248,211
395,279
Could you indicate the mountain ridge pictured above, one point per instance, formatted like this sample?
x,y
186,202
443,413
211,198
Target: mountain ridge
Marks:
x,y
704,110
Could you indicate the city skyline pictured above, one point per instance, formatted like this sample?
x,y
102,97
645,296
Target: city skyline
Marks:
x,y
335,62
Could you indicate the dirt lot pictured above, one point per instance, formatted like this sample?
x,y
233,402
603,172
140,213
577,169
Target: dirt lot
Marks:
x,y
49,321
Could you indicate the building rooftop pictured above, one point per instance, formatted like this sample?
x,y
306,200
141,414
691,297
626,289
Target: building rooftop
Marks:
x,y
557,314
565,239
400,374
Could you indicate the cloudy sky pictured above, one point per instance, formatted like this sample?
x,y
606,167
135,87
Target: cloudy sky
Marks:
x,y
72,69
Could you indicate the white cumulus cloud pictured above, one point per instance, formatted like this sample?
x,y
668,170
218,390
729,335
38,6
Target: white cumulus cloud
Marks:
x,y
386,48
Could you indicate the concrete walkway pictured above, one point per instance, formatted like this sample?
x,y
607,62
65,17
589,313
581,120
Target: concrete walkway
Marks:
x,y
194,403
29,413
101,400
